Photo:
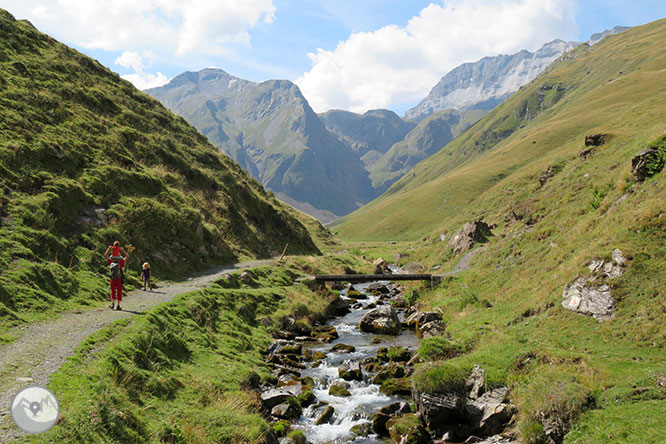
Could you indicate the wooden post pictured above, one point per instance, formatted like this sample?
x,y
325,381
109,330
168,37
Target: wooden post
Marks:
x,y
283,252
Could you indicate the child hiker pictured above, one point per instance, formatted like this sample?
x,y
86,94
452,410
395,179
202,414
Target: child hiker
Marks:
x,y
145,276
116,264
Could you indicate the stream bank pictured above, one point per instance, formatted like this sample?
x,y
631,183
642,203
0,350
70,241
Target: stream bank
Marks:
x,y
350,379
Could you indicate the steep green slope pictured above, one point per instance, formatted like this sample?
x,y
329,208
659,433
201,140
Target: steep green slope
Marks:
x,y
87,159
612,87
427,138
572,378
271,131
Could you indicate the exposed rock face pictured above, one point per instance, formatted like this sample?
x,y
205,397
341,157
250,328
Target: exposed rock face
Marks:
x,y
595,139
381,320
490,412
648,163
463,415
488,82
469,234
422,317
591,296
432,328
585,298
546,176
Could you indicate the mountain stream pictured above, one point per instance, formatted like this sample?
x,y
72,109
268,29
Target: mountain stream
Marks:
x,y
365,399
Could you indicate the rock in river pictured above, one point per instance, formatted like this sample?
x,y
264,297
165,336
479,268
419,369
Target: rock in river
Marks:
x,y
381,320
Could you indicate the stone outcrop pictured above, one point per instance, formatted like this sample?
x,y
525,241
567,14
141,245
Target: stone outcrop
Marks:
x,y
381,320
432,328
412,268
595,139
419,318
591,295
468,235
648,163
546,176
470,412
381,266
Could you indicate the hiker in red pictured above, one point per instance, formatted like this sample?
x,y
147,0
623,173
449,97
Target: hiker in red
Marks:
x,y
116,264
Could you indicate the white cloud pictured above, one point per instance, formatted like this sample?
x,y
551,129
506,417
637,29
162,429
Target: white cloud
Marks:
x,y
400,64
145,80
180,26
130,59
140,78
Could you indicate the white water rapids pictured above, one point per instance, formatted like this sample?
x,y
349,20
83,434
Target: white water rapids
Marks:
x,y
365,399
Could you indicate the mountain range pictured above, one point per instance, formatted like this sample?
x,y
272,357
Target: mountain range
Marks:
x,y
330,164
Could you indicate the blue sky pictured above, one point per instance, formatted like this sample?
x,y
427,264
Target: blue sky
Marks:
x,y
348,54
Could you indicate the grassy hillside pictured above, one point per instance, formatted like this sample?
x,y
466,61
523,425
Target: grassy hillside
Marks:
x,y
604,381
612,87
85,158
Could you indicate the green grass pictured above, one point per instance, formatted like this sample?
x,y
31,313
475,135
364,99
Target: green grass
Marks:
x,y
87,159
180,373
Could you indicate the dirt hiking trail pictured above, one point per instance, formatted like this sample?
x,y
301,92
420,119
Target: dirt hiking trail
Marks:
x,y
41,348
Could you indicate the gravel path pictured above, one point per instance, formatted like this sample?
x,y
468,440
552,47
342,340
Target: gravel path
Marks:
x,y
41,348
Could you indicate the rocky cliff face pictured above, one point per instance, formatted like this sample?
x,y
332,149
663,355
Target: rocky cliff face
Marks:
x,y
271,131
486,83
370,134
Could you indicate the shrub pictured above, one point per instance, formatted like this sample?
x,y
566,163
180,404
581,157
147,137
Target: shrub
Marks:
x,y
438,347
441,377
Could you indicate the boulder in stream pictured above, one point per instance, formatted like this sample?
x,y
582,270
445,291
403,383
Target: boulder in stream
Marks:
x,y
286,410
325,416
381,320
351,371
337,307
338,390
273,397
343,348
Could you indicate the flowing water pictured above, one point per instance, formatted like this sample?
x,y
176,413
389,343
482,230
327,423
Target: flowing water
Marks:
x,y
365,399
